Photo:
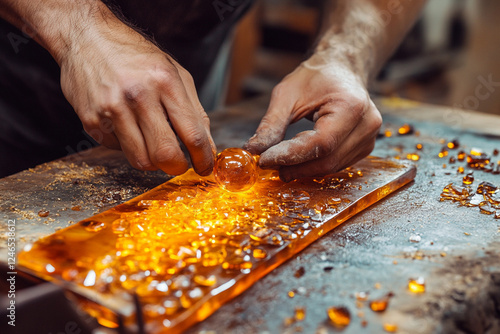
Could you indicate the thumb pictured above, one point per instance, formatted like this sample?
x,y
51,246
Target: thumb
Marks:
x,y
272,127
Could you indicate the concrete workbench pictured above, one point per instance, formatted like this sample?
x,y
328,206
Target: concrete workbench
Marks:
x,y
458,252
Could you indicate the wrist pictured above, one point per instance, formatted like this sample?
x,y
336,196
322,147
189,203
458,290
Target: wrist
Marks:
x,y
340,57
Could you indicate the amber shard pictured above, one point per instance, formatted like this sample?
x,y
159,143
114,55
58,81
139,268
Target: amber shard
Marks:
x,y
417,285
235,170
379,305
339,316
188,246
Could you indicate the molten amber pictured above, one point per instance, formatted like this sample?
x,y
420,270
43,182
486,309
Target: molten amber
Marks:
x,y
188,246
235,170
339,316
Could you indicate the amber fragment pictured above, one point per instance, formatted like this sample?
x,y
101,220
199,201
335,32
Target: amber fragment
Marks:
x,y
453,144
468,179
405,129
416,285
413,156
339,316
43,213
419,146
361,296
300,313
379,305
390,328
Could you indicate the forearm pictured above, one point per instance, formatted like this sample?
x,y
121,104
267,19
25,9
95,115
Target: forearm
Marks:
x,y
60,26
363,33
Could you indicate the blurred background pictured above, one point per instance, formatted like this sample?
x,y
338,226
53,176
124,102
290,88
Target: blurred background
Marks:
x,y
451,52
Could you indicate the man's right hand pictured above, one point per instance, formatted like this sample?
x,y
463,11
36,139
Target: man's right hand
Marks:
x,y
112,74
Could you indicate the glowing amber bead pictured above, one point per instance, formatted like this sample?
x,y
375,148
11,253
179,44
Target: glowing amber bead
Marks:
x,y
419,146
339,316
235,170
417,285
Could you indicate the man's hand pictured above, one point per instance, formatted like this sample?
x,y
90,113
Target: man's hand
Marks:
x,y
128,93
346,122
330,88
148,97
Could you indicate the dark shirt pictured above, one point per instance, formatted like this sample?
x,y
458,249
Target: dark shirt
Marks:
x,y
37,124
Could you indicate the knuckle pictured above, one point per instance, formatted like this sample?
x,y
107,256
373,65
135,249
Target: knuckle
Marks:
x,y
357,107
165,76
134,93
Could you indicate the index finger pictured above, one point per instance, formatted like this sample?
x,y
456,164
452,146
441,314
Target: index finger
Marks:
x,y
190,127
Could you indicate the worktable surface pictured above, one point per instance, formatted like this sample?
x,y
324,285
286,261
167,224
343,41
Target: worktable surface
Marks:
x,y
458,254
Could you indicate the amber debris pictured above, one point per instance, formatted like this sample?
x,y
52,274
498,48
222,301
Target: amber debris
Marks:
x,y
379,305
419,146
388,133
43,213
460,170
452,160
235,170
361,296
461,156
291,294
416,285
486,187
405,129
76,208
443,153
300,313
390,328
339,316
413,156
453,144
468,179
495,152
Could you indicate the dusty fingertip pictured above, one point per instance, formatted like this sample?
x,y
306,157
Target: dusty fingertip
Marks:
x,y
205,172
285,177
